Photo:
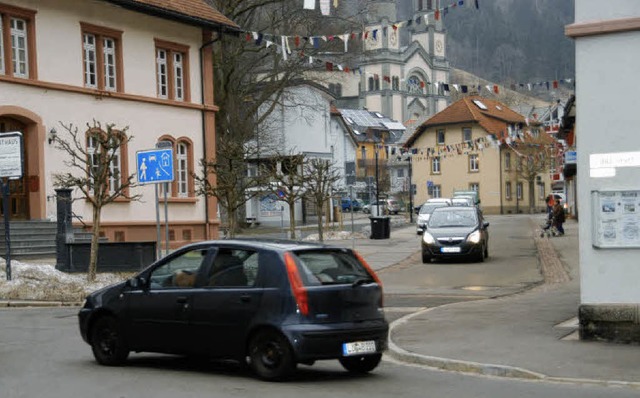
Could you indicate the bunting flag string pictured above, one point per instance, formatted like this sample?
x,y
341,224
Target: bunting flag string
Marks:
x,y
447,87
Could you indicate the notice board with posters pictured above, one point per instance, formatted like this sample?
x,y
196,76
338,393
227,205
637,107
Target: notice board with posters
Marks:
x,y
616,219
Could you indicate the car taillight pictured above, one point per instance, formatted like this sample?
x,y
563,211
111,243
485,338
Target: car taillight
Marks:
x,y
372,273
297,287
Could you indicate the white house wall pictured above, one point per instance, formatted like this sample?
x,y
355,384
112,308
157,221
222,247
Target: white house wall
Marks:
x,y
607,275
59,57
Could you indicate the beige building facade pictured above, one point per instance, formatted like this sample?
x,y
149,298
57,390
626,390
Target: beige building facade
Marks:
x,y
482,145
137,65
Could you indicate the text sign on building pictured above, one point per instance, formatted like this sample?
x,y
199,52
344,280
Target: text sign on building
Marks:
x,y
155,165
11,154
616,159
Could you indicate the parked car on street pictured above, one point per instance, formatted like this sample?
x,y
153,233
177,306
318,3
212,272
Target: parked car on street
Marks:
x,y
462,201
277,303
351,204
434,200
456,232
425,213
393,206
381,203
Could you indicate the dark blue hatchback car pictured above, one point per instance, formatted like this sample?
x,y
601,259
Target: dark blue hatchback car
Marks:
x,y
273,304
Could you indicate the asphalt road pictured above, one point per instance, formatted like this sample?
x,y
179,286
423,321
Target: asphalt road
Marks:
x,y
42,354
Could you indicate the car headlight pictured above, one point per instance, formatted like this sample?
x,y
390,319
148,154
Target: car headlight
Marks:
x,y
474,237
428,238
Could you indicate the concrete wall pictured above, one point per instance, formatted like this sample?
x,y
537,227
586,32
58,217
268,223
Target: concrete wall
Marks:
x,y
607,123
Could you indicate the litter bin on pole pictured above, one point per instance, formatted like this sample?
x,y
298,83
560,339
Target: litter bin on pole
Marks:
x,y
380,227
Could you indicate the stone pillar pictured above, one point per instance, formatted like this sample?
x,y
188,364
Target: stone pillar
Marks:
x,y
64,233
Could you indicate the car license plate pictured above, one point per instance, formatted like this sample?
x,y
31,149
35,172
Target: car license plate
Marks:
x,y
450,249
359,347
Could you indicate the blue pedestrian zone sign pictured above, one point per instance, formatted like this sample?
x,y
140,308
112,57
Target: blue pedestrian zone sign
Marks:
x,y
155,165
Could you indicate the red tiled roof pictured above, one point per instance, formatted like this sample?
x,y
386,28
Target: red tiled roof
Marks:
x,y
494,119
199,11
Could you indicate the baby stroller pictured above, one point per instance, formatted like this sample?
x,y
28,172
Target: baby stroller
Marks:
x,y
548,228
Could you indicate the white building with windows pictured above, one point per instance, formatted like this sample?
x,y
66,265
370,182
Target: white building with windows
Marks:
x,y
140,64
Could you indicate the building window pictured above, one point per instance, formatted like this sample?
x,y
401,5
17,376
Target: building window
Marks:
x,y
182,171
172,70
17,42
436,191
507,190
102,58
435,165
474,165
96,144
400,173
414,86
474,186
183,184
336,88
507,160
541,194
519,188
371,85
395,83
440,137
466,135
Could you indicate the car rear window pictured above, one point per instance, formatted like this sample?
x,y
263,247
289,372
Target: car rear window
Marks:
x,y
330,268
429,208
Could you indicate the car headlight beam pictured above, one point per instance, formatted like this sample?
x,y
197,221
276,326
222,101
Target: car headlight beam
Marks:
x,y
428,238
474,237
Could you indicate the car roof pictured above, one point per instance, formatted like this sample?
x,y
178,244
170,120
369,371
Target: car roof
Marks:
x,y
280,245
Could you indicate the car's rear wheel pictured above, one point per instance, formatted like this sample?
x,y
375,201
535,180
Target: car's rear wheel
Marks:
x,y
480,256
271,356
486,251
361,364
107,343
426,258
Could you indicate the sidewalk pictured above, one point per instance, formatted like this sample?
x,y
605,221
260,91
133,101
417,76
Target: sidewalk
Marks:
x,y
530,335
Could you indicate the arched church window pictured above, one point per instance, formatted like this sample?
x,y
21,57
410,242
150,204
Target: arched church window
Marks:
x,y
413,85
395,83
371,84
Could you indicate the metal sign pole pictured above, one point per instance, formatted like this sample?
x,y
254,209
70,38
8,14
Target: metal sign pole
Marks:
x,y
166,218
7,236
158,236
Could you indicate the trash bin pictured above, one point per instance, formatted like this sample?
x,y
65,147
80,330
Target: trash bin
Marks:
x,y
380,227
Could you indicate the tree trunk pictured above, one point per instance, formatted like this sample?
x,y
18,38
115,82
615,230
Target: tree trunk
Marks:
x,y
93,256
232,225
292,221
320,213
532,196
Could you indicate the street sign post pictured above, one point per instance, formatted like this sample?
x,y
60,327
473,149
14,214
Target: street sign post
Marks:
x,y
155,166
11,166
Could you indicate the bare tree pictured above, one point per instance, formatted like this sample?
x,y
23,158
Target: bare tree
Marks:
x,y
252,81
94,170
288,182
534,151
321,179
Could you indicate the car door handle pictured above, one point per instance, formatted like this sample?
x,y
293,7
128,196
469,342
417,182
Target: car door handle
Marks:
x,y
245,298
181,300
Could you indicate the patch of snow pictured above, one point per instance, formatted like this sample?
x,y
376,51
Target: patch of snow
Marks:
x,y
44,282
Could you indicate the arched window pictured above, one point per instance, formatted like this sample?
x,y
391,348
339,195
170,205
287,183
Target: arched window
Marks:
x,y
183,184
413,85
371,84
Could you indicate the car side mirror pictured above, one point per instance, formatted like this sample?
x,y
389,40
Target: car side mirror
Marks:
x,y
137,282
485,224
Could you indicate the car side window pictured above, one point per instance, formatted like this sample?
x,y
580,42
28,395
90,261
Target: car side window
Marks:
x,y
180,271
233,268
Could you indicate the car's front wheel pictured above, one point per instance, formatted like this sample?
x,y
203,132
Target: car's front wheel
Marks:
x,y
271,356
361,364
426,258
107,343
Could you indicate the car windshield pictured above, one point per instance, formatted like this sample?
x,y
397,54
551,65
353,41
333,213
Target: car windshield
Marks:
x,y
430,207
330,268
453,218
